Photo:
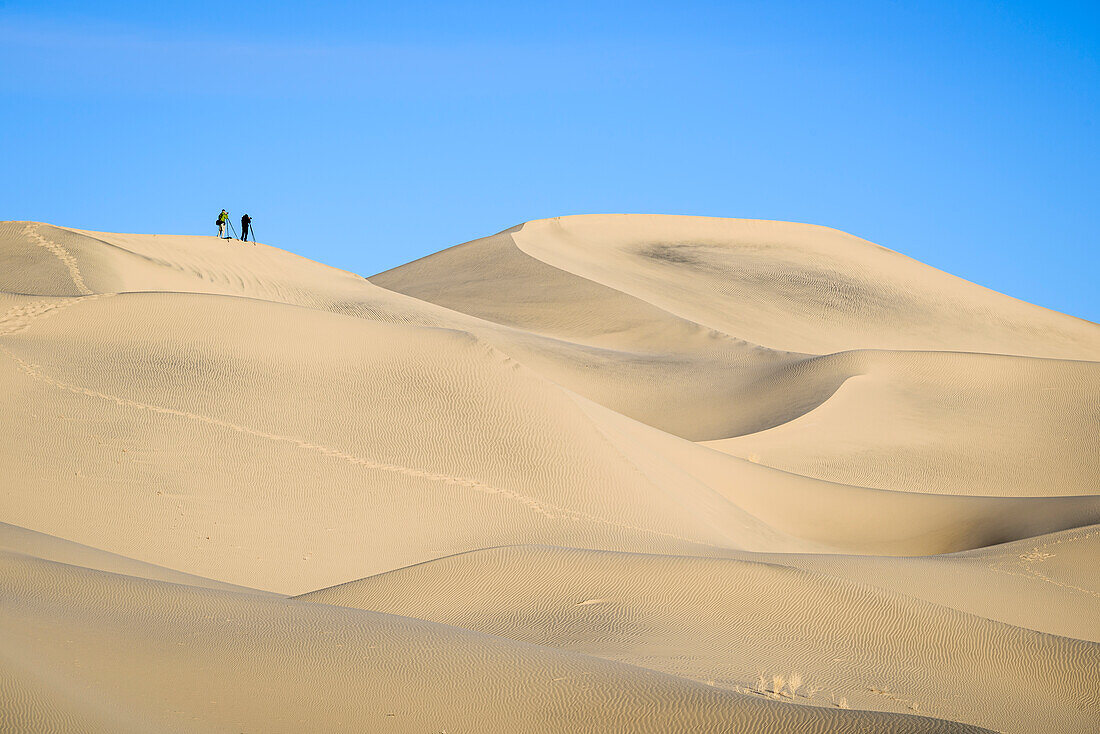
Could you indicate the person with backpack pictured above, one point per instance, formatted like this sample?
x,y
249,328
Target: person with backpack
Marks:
x,y
245,222
222,221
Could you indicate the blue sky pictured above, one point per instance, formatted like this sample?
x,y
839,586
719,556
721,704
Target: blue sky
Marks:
x,y
966,135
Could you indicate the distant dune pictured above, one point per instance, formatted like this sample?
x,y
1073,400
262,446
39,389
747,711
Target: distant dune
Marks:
x,y
615,473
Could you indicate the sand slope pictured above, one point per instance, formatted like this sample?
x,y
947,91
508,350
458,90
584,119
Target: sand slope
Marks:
x,y
93,651
799,286
625,465
727,621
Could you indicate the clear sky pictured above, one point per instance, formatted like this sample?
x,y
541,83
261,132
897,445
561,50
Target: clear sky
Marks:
x,y
364,135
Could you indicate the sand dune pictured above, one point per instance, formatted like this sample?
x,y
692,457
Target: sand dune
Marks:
x,y
1048,583
588,474
93,651
726,621
907,422
20,541
799,286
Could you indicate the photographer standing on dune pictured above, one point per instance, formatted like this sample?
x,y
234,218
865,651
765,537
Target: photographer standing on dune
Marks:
x,y
222,221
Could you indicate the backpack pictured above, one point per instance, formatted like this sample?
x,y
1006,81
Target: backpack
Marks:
x,y
218,221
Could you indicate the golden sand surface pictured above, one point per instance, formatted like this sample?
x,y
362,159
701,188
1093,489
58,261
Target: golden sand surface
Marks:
x,y
607,473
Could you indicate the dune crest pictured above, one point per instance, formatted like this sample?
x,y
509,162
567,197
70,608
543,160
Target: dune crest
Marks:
x,y
652,473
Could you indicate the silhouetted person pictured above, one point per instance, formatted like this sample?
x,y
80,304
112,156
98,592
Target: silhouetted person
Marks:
x,y
245,221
